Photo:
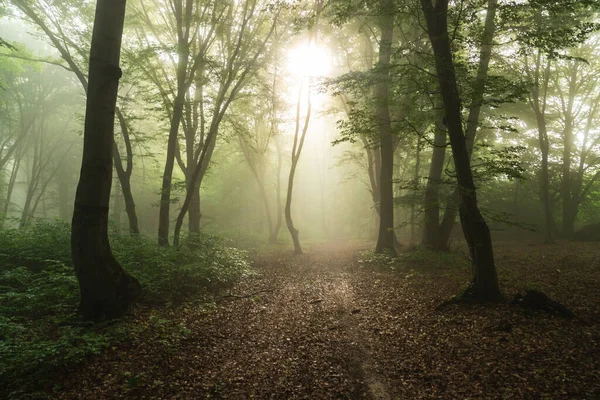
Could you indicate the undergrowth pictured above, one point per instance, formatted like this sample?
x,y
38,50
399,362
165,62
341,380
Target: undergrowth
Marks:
x,y
39,293
418,258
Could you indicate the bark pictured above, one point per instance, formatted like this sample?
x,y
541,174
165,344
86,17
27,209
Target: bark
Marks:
x,y
385,240
484,285
452,206
431,232
107,290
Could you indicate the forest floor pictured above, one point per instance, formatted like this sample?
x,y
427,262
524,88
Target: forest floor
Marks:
x,y
328,325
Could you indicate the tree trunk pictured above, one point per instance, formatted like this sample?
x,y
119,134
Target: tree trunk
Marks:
x,y
416,181
568,199
10,187
484,286
275,233
107,290
165,194
296,151
124,174
432,201
452,206
539,109
386,239
194,212
117,207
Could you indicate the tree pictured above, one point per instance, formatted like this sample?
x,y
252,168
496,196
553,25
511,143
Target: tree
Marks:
x,y
437,235
484,285
386,240
240,59
45,17
107,290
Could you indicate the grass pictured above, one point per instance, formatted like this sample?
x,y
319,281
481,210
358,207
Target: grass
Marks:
x,y
39,331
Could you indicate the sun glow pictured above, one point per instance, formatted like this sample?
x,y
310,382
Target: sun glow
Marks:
x,y
309,61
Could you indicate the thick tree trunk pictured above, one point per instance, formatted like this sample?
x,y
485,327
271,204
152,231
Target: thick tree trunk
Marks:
x,y
106,289
386,238
484,286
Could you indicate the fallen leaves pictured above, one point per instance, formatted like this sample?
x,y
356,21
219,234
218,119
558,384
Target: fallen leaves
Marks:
x,y
324,326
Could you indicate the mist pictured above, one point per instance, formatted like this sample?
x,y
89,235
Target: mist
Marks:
x,y
348,163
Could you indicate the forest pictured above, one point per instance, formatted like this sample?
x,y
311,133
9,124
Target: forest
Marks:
x,y
300,199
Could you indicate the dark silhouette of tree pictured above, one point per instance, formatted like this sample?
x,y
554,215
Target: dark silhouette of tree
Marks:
x,y
107,290
484,286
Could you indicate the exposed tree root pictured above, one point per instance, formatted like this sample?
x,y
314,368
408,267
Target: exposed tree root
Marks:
x,y
536,300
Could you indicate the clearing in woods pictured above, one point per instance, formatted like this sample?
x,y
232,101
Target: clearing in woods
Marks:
x,y
326,325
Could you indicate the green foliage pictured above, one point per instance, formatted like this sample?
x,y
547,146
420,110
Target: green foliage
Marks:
x,y
39,333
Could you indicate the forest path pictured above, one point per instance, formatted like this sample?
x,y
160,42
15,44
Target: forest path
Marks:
x,y
291,331
320,326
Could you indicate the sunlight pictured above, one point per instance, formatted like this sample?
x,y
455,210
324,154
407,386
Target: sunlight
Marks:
x,y
309,61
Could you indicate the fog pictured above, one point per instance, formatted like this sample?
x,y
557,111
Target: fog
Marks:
x,y
534,98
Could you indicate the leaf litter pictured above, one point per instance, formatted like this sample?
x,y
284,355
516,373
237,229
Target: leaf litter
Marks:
x,y
330,325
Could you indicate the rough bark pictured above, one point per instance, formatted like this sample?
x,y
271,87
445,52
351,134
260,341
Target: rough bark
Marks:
x,y
107,290
484,285
385,239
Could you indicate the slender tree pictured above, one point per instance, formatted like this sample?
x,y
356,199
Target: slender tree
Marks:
x,y
386,238
107,290
484,286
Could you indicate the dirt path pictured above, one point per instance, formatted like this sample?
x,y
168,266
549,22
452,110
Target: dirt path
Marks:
x,y
291,331
319,326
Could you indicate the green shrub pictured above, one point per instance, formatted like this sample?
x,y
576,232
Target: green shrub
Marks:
x,y
39,294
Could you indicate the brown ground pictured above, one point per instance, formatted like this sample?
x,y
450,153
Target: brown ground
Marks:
x,y
325,326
